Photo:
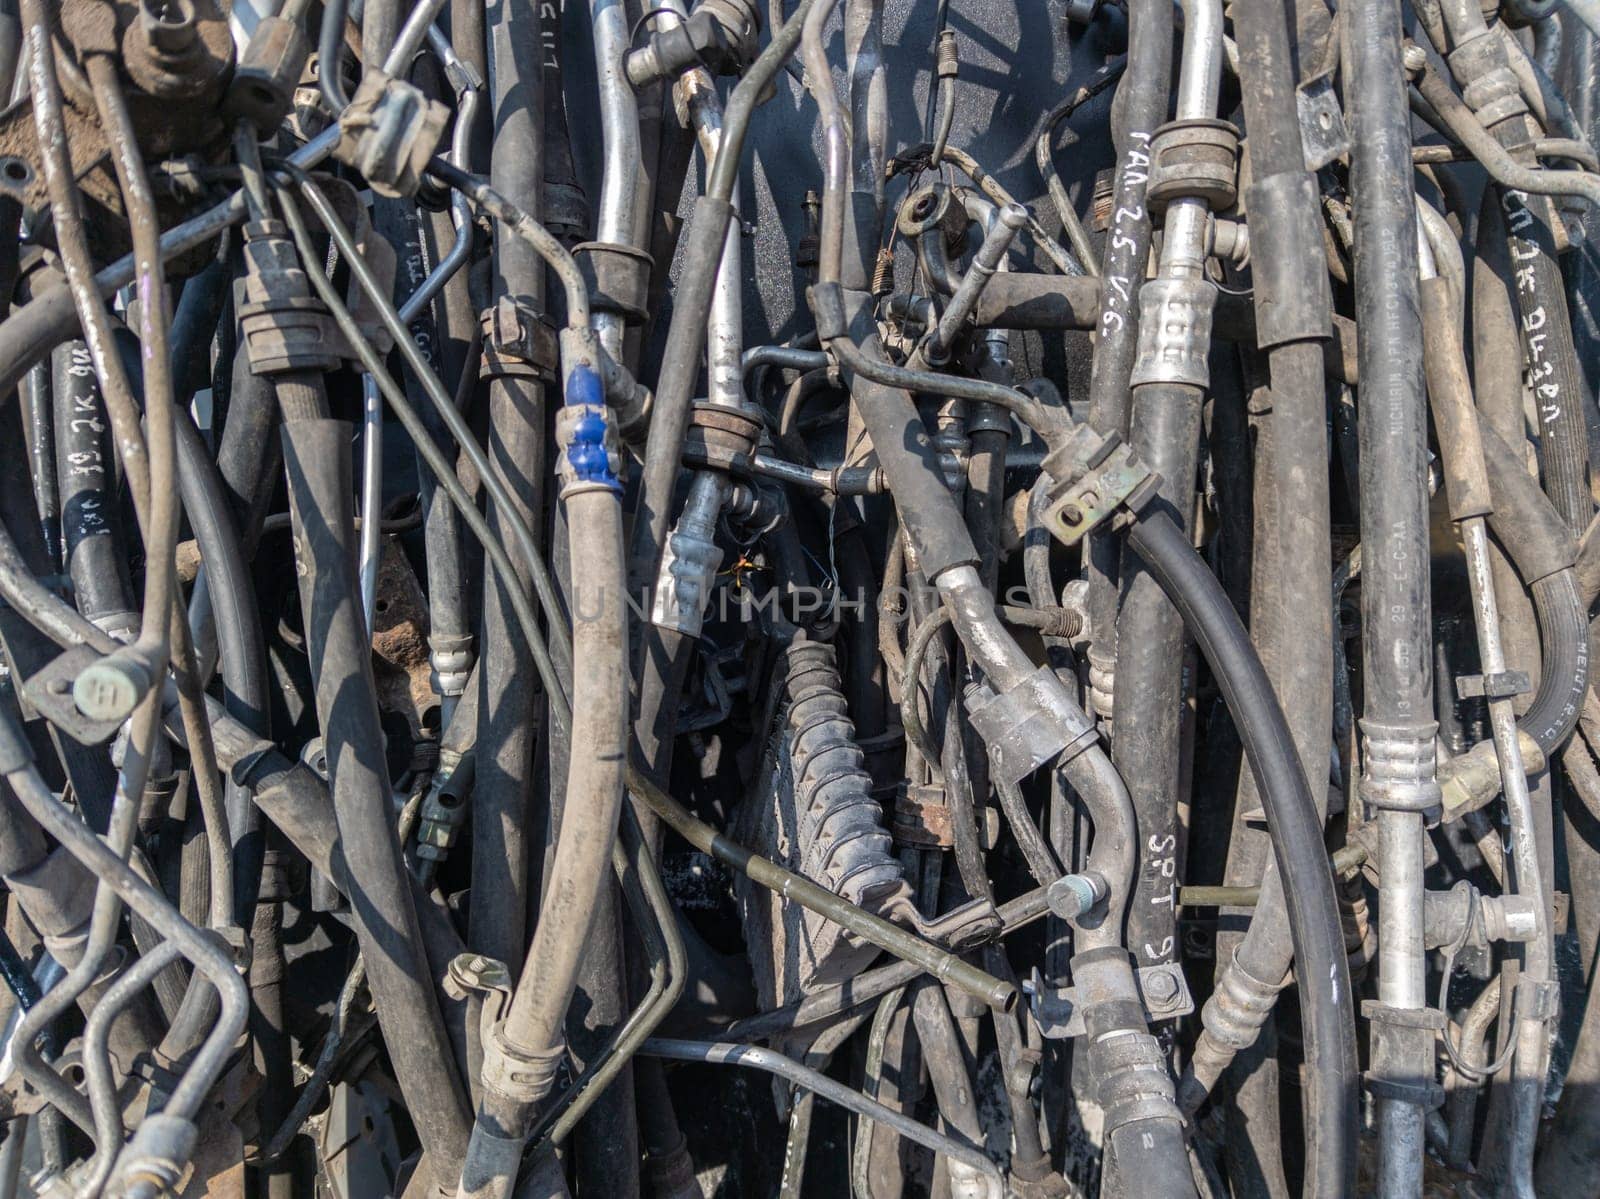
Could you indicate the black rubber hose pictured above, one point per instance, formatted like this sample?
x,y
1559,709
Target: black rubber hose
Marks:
x,y
908,458
1533,535
1140,106
249,452
1327,1009
1148,707
1558,389
92,541
502,796
317,459
330,51
241,653
194,325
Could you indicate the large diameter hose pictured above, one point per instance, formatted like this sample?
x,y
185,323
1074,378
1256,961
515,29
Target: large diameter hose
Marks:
x,y
1292,577
1141,106
1397,724
317,457
1327,1005
525,1050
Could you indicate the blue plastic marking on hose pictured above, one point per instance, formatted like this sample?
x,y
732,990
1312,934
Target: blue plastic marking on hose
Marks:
x,y
586,453
584,387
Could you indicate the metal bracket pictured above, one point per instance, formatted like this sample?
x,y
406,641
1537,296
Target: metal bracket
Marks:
x,y
50,691
1098,475
1324,136
1503,684
1163,993
1538,1000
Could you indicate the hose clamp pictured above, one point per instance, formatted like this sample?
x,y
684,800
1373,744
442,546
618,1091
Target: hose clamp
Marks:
x,y
1194,159
1161,990
724,437
517,341
1402,1053
519,1075
389,132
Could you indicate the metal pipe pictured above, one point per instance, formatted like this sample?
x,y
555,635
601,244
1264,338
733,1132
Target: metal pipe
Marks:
x,y
725,1054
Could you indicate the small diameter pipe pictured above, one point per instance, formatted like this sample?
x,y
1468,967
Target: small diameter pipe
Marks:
x,y
722,1053
991,253
207,955
1502,167
1469,491
943,965
668,975
619,122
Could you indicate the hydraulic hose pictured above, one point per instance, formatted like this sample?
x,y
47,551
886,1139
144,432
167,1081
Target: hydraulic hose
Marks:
x,y
1164,430
1141,105
702,251
1327,1004
502,795
522,1056
317,459
92,539
1397,725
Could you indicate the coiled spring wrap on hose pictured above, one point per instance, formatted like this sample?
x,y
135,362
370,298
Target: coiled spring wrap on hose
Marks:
x,y
823,821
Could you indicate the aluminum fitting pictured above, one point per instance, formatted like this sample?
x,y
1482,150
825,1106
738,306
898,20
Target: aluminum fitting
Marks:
x,y
1239,1006
1400,766
159,1152
1471,780
1032,723
451,658
1175,332
588,455
689,565
1510,917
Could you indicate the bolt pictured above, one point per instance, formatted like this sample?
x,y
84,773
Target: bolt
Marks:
x,y
1072,514
1071,895
60,686
1413,57
1160,988
111,688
